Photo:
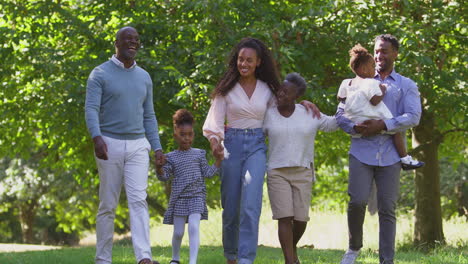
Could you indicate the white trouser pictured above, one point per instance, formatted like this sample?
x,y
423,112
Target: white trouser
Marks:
x,y
127,164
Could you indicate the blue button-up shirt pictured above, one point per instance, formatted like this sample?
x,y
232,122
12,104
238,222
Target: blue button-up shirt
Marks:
x,y
403,101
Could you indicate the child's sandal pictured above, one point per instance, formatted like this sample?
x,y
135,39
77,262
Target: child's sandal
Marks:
x,y
174,261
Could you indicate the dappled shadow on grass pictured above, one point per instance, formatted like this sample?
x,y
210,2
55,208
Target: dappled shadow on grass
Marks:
x,y
440,254
55,256
265,255
461,246
306,255
123,254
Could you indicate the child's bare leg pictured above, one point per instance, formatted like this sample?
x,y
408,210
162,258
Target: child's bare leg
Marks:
x,y
407,162
400,144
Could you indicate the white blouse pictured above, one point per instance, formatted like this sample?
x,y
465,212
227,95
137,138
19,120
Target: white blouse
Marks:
x,y
238,110
291,139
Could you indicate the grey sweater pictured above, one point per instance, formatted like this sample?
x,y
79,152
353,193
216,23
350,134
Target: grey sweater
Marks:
x,y
119,104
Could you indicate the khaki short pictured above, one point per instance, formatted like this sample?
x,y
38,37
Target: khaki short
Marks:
x,y
290,190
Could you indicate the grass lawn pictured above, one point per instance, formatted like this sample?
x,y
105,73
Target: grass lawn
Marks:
x,y
123,254
323,243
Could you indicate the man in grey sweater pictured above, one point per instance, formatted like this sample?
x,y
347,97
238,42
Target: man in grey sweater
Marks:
x,y
120,117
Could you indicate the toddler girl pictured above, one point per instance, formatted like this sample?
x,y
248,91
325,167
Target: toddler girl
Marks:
x,y
187,167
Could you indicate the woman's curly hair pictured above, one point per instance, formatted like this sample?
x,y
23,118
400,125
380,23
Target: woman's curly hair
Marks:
x,y
266,71
182,117
359,56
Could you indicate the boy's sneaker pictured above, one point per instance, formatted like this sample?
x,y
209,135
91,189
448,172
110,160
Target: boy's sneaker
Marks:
x,y
350,256
408,163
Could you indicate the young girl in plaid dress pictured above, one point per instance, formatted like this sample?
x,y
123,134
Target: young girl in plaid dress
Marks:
x,y
188,168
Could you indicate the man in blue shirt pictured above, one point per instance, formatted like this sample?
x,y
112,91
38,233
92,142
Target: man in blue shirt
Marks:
x,y
374,156
120,118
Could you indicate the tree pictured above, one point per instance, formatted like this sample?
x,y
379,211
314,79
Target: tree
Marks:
x,y
49,49
439,63
52,46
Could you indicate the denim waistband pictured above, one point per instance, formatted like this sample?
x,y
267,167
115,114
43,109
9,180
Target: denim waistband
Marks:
x,y
251,131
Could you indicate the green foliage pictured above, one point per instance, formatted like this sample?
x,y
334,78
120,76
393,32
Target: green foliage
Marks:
x,y
454,189
50,47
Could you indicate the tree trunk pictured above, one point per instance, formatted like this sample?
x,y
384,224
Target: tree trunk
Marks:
x,y
27,217
428,229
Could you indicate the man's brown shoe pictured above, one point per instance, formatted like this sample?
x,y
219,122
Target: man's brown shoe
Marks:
x,y
148,261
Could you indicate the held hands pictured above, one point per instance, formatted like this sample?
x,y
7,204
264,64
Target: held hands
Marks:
x,y
100,148
359,128
370,127
159,161
310,106
217,149
218,160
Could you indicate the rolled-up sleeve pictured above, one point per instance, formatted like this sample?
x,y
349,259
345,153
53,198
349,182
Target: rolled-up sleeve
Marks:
x,y
411,110
214,123
344,123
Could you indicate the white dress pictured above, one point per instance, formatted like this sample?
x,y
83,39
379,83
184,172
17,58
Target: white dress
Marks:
x,y
358,107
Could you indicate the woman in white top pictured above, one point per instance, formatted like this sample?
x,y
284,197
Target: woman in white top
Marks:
x,y
291,134
241,98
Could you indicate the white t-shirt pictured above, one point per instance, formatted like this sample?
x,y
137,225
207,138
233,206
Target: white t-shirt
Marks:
x,y
291,139
358,107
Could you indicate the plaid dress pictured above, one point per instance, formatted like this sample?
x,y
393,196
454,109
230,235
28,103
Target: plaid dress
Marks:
x,y
187,169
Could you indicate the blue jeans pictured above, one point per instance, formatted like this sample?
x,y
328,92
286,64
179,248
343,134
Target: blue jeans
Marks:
x,y
241,194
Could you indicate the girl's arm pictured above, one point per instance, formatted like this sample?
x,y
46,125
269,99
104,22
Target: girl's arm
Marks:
x,y
218,162
376,99
159,164
207,170
166,171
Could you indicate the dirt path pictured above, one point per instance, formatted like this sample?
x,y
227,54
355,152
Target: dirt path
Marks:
x,y
88,240
23,247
